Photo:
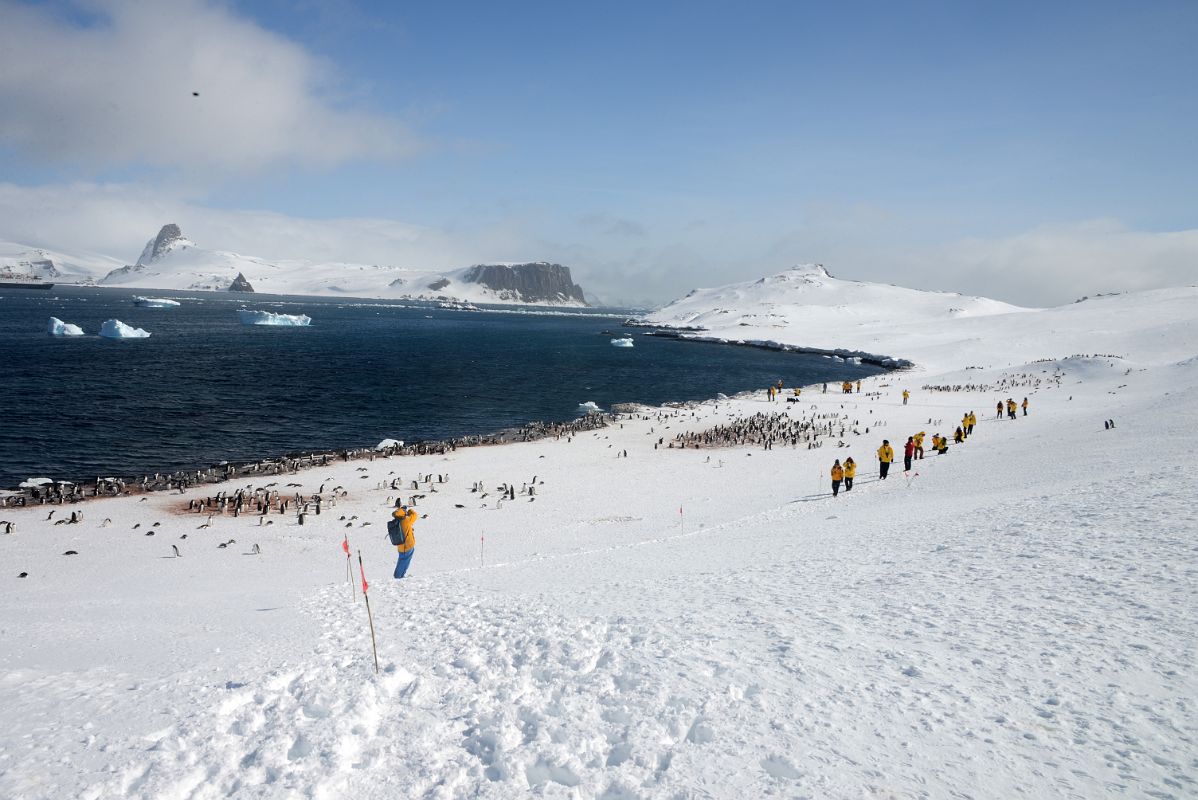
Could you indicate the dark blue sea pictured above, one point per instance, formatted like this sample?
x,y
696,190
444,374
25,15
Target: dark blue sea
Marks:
x,y
204,388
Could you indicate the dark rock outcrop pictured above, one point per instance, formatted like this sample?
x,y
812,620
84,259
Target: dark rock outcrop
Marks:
x,y
161,244
538,282
438,285
240,284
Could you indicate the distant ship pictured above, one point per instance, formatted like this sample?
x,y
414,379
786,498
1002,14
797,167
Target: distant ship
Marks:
x,y
10,281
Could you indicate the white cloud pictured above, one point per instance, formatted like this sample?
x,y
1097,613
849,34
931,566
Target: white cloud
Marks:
x,y
1057,263
118,91
117,220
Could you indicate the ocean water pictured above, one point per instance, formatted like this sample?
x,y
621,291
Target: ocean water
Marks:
x,y
205,388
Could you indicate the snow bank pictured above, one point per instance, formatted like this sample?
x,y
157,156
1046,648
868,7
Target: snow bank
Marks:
x,y
115,329
59,328
154,302
249,317
625,342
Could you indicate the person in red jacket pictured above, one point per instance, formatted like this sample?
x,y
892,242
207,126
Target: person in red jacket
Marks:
x,y
908,453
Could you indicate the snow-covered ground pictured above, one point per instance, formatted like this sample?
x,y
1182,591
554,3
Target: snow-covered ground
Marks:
x,y
1013,619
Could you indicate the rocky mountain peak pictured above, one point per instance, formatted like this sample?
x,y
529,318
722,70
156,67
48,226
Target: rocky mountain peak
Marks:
x,y
167,239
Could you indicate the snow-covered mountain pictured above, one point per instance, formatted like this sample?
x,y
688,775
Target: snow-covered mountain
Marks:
x,y
810,294
21,259
806,308
172,261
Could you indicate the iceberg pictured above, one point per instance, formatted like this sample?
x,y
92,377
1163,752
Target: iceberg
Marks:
x,y
115,329
624,342
249,317
589,407
154,302
383,445
59,328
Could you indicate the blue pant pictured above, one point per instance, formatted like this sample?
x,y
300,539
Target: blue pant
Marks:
x,y
401,566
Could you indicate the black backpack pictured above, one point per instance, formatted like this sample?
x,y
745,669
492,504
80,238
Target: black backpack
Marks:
x,y
395,531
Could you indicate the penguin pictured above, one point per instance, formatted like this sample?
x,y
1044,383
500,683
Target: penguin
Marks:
x,y
23,575
71,553
176,550
149,533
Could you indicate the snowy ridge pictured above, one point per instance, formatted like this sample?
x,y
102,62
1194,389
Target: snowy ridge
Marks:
x,y
20,259
171,261
806,308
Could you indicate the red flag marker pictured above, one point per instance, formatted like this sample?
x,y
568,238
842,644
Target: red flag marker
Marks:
x,y
345,544
373,644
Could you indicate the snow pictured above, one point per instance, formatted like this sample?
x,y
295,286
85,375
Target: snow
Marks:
x,y
388,443
32,482
625,342
57,327
155,302
270,318
1012,619
115,329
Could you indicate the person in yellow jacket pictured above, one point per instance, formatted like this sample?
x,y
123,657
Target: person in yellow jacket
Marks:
x,y
1011,407
885,459
837,477
407,546
850,472
965,426
919,443
1024,406
906,396
972,419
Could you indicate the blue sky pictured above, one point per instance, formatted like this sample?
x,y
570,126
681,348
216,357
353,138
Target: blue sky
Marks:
x,y
658,146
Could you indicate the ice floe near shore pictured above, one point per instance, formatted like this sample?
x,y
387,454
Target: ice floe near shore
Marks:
x,y
115,329
57,327
624,342
154,302
249,317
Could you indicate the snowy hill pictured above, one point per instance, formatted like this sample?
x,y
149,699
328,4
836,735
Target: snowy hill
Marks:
x,y
53,265
806,308
171,261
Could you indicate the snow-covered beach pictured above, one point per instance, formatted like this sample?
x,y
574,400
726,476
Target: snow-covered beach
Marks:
x,y
1015,617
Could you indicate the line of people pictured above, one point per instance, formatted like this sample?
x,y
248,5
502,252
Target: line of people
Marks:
x,y
912,450
1011,407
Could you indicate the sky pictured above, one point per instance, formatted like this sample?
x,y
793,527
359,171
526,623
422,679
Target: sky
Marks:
x,y
1033,152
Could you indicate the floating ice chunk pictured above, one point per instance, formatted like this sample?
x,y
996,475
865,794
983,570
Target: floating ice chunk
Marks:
x,y
59,328
589,407
154,302
115,329
383,445
854,360
249,317
624,342
32,483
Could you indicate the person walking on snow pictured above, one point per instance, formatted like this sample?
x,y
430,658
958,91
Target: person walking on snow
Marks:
x,y
973,420
908,453
999,407
1011,407
885,459
906,395
837,477
407,522
919,444
858,387
1025,406
850,472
